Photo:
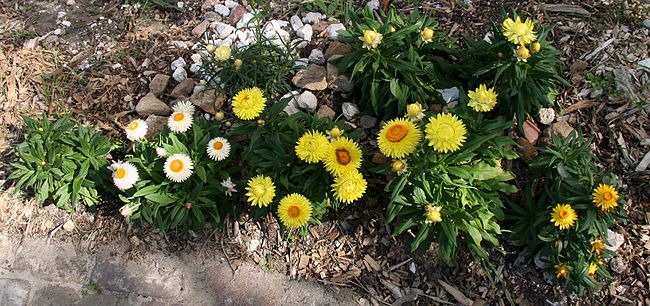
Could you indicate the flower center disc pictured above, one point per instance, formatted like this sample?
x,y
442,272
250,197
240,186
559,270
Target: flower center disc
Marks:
x,y
179,116
608,196
293,211
343,157
396,133
133,126
563,214
120,173
217,145
446,131
176,165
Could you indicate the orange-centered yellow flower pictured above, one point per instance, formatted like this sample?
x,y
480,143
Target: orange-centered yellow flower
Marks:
x,y
563,216
605,197
398,138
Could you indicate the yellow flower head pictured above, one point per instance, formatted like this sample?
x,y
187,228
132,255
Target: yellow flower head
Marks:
x,y
260,191
432,214
427,35
248,103
312,146
237,64
593,267
605,197
294,210
445,132
563,216
343,156
399,166
536,47
414,111
335,132
561,270
598,245
371,39
222,53
482,99
349,187
522,53
519,33
398,138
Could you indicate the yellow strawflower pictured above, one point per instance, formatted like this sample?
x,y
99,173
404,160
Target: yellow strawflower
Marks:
x,y
445,132
563,216
598,245
561,270
482,99
427,35
248,103
222,53
261,191
414,111
398,138
312,146
519,33
371,39
399,166
349,187
605,197
343,156
294,210
432,214
335,132
522,53
536,47
593,267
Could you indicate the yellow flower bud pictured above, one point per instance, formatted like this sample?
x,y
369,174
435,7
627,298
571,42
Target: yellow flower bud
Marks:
x,y
260,121
413,109
40,129
238,63
500,55
522,53
228,123
392,29
427,35
537,47
219,116
42,163
398,166
210,48
336,132
432,214
222,53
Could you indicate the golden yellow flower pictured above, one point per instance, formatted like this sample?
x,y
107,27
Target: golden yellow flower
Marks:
x,y
522,53
561,270
398,138
598,245
399,166
261,191
414,111
593,267
248,103
536,47
482,99
222,53
343,156
427,35
605,197
432,214
312,146
294,210
519,33
371,39
349,187
335,132
563,216
445,132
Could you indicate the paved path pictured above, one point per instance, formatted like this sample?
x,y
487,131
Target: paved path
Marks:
x,y
37,273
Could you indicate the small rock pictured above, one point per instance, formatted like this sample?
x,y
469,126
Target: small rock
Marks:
x,y
179,74
337,48
179,44
449,94
183,89
307,101
367,121
245,21
158,84
540,262
332,71
312,17
325,112
299,43
68,226
645,64
578,66
373,5
320,26
292,105
231,4
195,68
200,29
531,131
179,62
614,241
412,267
333,30
223,30
296,23
312,78
222,10
208,5
151,105
379,159
316,57
208,100
562,128
646,23
546,116
66,23
527,150
196,58
306,32
350,110
155,125
301,63
343,84
57,32
236,14
618,265
70,2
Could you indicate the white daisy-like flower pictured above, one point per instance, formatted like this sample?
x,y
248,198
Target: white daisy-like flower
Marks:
x,y
179,122
124,175
229,185
184,107
161,152
218,148
136,130
126,211
178,167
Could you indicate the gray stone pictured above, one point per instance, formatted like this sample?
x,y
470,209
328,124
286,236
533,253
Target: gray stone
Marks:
x,y
333,30
200,28
312,17
350,110
54,296
245,21
449,94
183,89
367,121
316,57
223,30
373,4
645,64
179,74
222,10
155,125
14,292
307,101
196,67
614,241
209,101
208,5
296,23
301,63
306,32
646,23
292,106
337,48
312,78
325,112
158,84
179,62
231,4
343,84
618,265
151,105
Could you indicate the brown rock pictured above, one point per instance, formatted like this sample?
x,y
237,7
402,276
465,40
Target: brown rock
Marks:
x,y
379,159
158,84
325,112
150,105
531,131
200,29
527,150
236,14
337,48
578,66
208,5
562,128
313,78
183,89
155,125
208,100
320,26
332,69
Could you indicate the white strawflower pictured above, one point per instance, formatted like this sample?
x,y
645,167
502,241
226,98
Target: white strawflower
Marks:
x,y
184,107
179,122
124,175
178,167
218,148
229,185
125,211
136,130
161,152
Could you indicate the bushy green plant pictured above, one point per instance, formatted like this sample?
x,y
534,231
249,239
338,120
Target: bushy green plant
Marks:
x,y
62,161
566,174
388,65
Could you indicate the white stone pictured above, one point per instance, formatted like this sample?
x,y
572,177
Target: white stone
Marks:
x,y
333,30
307,101
223,30
222,10
350,110
179,62
244,21
614,241
179,44
306,32
57,32
60,15
180,4
299,43
179,74
546,115
296,23
245,36
66,23
301,63
316,56
312,18
645,64
230,4
373,4
292,106
197,89
197,58
196,67
449,94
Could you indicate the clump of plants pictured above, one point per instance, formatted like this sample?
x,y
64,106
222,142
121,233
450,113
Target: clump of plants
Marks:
x,y
62,161
566,212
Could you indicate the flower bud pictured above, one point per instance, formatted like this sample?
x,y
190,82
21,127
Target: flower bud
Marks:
x,y
210,48
219,116
537,47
